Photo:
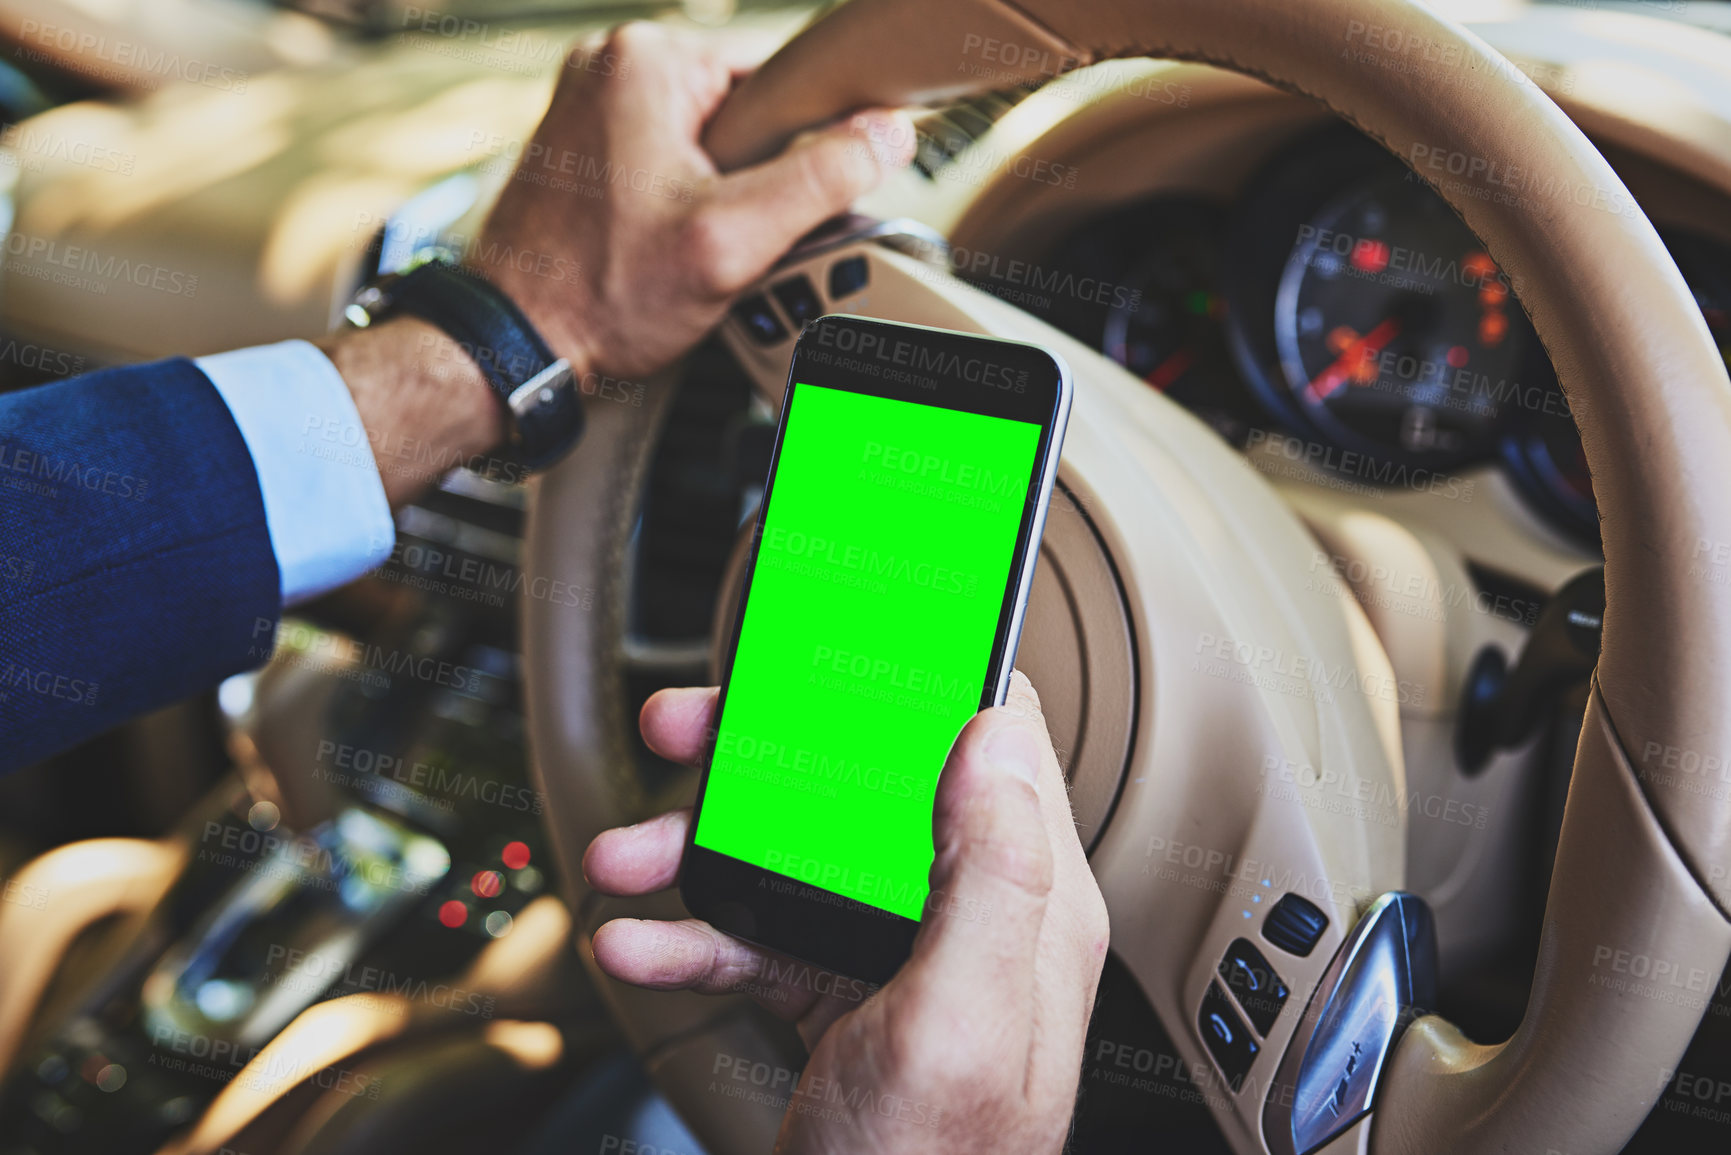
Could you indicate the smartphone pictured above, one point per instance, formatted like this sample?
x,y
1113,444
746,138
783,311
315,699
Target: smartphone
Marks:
x,y
890,568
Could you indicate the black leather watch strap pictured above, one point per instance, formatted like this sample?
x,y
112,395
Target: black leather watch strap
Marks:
x,y
537,389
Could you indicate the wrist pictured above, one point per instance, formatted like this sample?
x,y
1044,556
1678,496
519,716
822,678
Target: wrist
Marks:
x,y
422,399
542,408
544,299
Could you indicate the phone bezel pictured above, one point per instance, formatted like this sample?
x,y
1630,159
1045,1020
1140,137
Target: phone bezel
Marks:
x,y
777,911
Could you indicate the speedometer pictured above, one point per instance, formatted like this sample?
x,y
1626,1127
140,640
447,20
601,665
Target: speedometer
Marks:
x,y
1394,329
1369,320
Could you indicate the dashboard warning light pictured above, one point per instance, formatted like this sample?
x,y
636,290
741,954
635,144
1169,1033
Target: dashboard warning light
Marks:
x,y
1370,256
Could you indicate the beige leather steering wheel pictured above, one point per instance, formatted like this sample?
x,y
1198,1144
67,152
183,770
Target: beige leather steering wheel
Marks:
x,y
1203,551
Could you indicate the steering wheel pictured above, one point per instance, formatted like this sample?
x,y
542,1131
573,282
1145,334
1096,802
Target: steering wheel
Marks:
x,y
1195,564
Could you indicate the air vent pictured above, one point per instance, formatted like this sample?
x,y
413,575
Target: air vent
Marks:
x,y
945,133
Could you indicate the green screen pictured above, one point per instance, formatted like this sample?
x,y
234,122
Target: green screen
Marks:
x,y
868,627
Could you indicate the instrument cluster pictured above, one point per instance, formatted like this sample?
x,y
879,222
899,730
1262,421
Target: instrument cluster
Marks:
x,y
1339,300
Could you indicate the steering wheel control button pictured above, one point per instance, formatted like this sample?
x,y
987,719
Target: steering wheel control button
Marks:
x,y
1226,1036
1294,924
799,300
847,277
1259,990
760,320
1382,977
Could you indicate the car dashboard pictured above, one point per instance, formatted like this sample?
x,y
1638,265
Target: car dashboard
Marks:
x,y
1311,297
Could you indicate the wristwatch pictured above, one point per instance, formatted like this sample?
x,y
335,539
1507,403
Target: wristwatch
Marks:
x,y
545,412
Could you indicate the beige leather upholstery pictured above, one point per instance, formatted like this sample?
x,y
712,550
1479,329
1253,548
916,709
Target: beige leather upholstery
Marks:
x,y
1654,405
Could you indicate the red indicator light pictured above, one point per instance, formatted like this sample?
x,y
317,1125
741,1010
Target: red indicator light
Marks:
x,y
1479,267
515,856
1370,256
487,883
453,913
1457,357
1493,327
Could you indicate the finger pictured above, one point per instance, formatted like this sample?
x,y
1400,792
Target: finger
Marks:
x,y
691,955
1069,857
648,81
1074,935
677,723
743,50
710,72
675,956
632,860
991,875
764,209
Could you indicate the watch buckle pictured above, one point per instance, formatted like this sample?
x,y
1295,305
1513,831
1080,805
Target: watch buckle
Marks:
x,y
541,390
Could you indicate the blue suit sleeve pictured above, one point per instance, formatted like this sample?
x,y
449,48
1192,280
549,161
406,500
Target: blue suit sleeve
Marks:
x,y
136,565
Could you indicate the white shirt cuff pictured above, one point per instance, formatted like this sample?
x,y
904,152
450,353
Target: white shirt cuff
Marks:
x,y
323,500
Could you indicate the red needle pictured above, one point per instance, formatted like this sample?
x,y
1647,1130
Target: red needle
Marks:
x,y
1169,370
1351,357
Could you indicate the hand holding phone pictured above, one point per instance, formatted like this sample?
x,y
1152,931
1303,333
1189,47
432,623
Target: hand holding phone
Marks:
x,y
976,1043
881,610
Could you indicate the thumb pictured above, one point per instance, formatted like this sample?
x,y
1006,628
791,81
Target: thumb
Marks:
x,y
764,209
991,875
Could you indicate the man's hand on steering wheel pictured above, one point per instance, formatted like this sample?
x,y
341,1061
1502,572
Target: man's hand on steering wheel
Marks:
x,y
617,236
976,1044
